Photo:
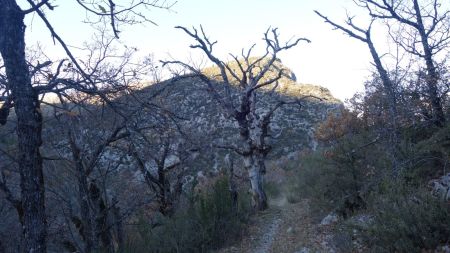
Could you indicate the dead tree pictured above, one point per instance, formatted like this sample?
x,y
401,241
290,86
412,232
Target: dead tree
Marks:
x,y
250,76
160,145
364,35
92,224
24,97
427,25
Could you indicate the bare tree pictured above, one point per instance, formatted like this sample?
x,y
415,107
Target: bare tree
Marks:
x,y
424,32
83,141
20,93
92,204
249,76
166,183
389,86
160,148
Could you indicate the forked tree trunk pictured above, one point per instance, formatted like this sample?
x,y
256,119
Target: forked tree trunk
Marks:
x,y
86,229
102,228
29,125
252,162
259,198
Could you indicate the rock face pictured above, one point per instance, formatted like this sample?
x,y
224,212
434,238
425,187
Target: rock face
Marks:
x,y
292,126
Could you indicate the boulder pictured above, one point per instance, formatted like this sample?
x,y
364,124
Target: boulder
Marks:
x,y
440,187
329,219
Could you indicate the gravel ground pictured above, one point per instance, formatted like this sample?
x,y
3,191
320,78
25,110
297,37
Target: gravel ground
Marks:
x,y
283,228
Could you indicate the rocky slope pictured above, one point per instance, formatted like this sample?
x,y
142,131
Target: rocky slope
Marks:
x,y
292,126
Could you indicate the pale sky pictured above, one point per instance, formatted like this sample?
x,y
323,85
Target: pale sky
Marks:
x,y
332,60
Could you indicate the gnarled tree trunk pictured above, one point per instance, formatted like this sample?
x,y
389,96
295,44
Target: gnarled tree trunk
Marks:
x,y
256,177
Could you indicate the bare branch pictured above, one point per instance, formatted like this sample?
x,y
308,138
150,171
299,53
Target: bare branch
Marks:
x,y
37,6
342,28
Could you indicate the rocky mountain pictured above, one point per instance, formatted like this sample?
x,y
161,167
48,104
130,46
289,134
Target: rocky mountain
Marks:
x,y
185,103
292,126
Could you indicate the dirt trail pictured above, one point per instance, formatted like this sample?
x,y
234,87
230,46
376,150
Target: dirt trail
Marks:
x,y
266,241
283,228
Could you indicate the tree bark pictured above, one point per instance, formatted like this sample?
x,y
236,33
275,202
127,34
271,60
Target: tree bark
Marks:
x,y
256,176
259,198
29,125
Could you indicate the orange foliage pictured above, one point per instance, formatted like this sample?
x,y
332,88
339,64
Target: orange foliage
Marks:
x,y
338,125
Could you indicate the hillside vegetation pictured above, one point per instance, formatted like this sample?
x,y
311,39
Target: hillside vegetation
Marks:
x,y
158,179
234,157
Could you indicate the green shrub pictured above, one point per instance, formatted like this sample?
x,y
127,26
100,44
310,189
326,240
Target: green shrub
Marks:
x,y
407,220
272,189
309,180
337,178
209,222
427,158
